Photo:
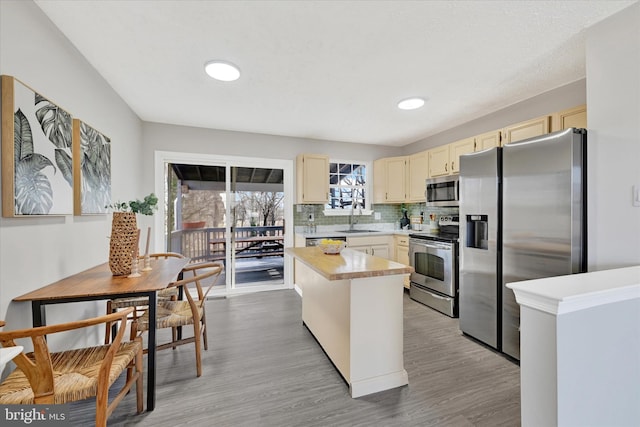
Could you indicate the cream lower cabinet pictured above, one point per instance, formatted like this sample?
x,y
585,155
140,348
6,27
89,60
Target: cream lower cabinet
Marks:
x,y
376,245
528,129
402,254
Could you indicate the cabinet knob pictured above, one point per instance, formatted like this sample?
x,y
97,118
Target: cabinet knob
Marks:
x,y
451,165
445,167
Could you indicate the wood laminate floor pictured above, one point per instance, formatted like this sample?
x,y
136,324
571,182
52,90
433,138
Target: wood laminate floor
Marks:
x,y
263,368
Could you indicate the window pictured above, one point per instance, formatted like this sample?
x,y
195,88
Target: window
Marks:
x,y
347,187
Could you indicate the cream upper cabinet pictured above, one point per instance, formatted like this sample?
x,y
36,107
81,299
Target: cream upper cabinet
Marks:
x,y
488,140
312,178
396,179
439,161
418,172
528,129
379,180
389,180
571,118
456,149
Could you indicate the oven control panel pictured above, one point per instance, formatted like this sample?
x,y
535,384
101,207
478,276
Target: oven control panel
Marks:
x,y
449,220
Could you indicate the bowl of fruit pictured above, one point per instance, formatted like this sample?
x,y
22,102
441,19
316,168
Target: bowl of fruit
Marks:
x,y
332,247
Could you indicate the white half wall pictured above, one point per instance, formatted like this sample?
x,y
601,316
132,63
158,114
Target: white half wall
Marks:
x,y
613,99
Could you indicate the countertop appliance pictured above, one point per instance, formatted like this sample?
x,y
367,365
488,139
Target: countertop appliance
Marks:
x,y
434,258
442,191
523,216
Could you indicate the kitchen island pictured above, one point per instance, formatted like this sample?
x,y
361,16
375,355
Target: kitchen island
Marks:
x,y
352,303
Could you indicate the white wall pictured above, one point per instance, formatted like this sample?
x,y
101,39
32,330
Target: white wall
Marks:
x,y
613,99
37,251
165,137
159,137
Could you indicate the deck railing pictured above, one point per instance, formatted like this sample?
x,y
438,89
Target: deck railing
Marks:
x,y
206,244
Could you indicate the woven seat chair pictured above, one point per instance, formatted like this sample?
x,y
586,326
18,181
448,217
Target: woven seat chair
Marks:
x,y
140,303
190,311
42,377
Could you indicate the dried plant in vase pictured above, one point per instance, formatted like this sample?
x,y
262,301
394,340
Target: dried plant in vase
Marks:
x,y
125,234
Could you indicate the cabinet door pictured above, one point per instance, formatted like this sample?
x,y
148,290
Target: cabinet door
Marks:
x,y
364,249
488,140
456,149
402,255
380,181
571,118
312,178
396,179
418,173
528,129
381,251
439,161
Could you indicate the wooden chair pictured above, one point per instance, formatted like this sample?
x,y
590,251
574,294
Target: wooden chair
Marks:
x,y
42,377
140,303
175,314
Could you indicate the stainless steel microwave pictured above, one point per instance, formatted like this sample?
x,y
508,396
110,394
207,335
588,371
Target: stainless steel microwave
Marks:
x,y
443,191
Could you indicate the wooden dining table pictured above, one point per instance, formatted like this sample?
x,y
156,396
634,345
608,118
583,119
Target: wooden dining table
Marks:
x,y
98,283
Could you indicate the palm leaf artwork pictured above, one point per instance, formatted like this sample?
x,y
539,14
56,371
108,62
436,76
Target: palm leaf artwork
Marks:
x,y
33,192
56,125
96,170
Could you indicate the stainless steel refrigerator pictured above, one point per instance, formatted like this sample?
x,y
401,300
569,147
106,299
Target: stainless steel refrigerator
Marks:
x,y
522,216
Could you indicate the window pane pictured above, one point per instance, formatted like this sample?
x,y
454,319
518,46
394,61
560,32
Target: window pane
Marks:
x,y
347,184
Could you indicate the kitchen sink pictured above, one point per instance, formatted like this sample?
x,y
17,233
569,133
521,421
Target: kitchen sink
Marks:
x,y
358,231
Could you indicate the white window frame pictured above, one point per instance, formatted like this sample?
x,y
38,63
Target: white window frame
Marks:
x,y
368,188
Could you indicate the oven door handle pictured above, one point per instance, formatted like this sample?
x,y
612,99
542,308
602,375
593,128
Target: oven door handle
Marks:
x,y
432,245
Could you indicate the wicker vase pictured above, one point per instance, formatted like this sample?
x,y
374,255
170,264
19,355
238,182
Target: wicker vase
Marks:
x,y
124,242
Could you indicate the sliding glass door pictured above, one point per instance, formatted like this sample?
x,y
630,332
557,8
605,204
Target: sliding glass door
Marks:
x,y
233,212
257,228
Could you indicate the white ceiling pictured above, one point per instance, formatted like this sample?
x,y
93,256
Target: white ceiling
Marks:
x,y
331,70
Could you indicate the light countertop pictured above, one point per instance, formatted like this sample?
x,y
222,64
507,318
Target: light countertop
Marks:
x,y
573,292
349,264
321,234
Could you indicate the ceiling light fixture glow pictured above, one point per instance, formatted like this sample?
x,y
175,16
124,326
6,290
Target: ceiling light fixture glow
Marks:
x,y
411,103
222,70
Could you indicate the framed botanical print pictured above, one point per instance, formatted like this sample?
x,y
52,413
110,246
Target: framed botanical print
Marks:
x,y
92,170
37,163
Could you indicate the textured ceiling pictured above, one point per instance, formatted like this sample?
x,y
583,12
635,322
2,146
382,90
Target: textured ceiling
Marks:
x,y
330,70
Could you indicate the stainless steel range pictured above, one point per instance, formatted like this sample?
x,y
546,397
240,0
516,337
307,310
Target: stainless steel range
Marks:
x,y
434,258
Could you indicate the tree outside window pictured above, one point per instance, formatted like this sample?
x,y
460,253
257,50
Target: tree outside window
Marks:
x,y
347,186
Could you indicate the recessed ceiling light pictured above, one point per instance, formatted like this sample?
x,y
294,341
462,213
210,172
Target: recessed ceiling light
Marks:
x,y
411,103
222,70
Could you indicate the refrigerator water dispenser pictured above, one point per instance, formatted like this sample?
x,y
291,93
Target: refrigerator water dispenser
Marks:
x,y
477,232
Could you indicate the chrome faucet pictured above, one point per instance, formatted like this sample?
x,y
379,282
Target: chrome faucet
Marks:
x,y
352,220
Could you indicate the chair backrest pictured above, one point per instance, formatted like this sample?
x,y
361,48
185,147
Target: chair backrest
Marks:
x,y
40,372
163,255
195,274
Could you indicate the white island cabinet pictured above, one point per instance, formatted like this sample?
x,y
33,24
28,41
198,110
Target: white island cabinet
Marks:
x,y
580,349
353,305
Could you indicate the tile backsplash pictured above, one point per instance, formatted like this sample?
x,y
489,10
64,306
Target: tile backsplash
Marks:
x,y
388,214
